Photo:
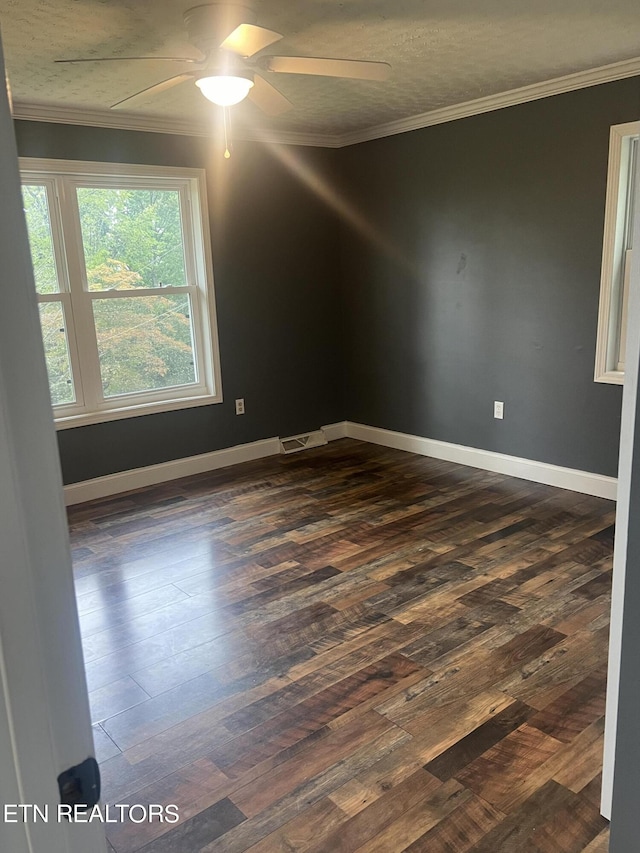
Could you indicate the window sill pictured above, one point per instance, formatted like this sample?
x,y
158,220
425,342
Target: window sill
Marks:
x,y
611,377
88,418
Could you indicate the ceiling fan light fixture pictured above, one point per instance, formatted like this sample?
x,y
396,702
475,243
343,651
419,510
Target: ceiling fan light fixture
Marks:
x,y
225,90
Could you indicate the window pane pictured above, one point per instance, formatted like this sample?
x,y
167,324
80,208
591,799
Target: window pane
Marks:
x,y
36,209
131,238
144,343
56,352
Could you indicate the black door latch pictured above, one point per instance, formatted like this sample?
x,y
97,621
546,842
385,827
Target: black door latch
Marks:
x,y
80,785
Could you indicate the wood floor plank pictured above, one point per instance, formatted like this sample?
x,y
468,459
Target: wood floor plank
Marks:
x,y
103,618
280,731
478,671
302,831
349,649
160,713
467,824
115,697
105,748
466,750
581,760
577,657
318,756
600,844
193,834
180,789
503,774
417,820
313,790
574,710
592,791
515,832
570,829
369,823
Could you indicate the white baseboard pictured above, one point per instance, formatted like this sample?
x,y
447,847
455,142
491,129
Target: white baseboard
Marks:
x,y
137,478
513,466
335,431
526,469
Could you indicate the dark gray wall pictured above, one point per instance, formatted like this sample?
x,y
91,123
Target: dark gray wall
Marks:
x,y
472,276
479,278
277,288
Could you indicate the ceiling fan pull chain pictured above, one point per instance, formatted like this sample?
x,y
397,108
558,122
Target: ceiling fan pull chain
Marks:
x,y
227,131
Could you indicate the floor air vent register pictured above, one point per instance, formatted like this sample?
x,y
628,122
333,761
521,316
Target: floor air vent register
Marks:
x,y
296,443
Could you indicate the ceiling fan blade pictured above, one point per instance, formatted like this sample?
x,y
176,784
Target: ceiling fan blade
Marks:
x,y
268,98
356,69
248,39
169,83
129,59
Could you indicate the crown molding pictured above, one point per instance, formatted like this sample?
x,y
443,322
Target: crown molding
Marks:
x,y
31,111
156,124
284,137
522,95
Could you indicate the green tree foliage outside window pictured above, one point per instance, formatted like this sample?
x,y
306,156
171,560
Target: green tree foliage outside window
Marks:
x,y
36,207
52,318
140,228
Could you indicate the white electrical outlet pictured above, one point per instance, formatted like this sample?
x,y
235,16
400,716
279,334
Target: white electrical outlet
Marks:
x,y
498,409
240,406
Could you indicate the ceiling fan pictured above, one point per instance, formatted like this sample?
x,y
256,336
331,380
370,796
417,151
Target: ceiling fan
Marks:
x,y
228,40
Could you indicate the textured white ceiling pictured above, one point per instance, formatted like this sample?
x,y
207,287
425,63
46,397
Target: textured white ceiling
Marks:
x,y
442,52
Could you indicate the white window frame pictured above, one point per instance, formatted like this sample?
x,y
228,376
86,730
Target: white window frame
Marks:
x,y
61,179
616,261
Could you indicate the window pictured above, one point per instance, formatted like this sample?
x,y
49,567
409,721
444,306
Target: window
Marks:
x,y
616,254
122,267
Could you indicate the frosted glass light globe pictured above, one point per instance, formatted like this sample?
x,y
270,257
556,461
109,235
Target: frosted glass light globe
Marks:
x,y
225,91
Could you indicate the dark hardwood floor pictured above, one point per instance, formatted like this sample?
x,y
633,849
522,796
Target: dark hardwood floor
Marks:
x,y
349,649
